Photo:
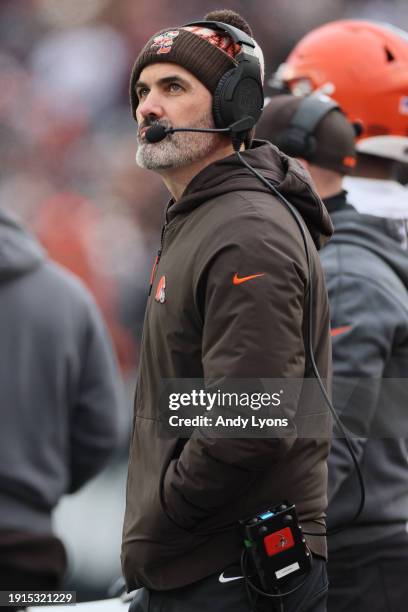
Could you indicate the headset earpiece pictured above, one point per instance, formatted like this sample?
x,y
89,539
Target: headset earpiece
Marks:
x,y
217,106
237,95
296,142
239,92
298,139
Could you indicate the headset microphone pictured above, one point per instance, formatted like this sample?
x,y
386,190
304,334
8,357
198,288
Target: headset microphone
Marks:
x,y
158,132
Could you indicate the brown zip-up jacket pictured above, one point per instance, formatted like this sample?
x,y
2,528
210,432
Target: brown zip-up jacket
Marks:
x,y
185,496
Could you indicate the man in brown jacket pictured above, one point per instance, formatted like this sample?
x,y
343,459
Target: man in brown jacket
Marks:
x,y
228,300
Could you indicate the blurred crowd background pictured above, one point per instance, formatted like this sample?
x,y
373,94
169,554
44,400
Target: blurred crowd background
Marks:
x,y
67,171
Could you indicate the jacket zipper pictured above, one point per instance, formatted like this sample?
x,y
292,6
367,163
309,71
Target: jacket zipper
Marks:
x,y
157,260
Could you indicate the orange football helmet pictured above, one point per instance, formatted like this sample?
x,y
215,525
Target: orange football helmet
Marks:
x,y
364,66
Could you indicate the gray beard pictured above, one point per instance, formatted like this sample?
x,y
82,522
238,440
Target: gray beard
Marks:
x,y
177,150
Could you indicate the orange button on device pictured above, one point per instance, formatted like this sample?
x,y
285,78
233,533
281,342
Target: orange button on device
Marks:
x,y
279,541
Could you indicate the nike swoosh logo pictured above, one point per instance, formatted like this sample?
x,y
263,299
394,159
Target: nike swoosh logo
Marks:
x,y
237,281
336,331
223,579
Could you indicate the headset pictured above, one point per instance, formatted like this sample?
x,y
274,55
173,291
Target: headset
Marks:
x,y
238,98
239,92
298,139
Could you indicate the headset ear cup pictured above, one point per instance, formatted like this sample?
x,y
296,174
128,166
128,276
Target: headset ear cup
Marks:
x,y
311,146
221,118
281,141
292,142
296,143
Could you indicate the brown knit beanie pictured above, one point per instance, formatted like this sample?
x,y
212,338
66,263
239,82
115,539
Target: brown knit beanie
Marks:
x,y
180,46
334,135
208,54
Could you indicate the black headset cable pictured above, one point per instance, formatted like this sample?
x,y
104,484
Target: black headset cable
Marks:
x,y
296,215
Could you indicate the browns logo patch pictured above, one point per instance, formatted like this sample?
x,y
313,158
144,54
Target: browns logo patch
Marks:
x,y
160,291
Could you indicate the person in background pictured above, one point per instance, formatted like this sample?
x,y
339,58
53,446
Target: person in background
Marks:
x,y
60,403
366,269
372,89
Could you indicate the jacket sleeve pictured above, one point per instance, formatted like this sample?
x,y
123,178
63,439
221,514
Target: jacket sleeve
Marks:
x,y
363,320
250,330
99,399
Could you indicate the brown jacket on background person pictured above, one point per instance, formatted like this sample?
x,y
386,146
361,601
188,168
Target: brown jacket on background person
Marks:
x,y
185,496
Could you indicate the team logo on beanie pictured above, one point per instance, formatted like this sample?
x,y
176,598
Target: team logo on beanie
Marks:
x,y
163,42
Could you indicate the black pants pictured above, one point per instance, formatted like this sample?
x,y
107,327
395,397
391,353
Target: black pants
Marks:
x,y
212,595
370,578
